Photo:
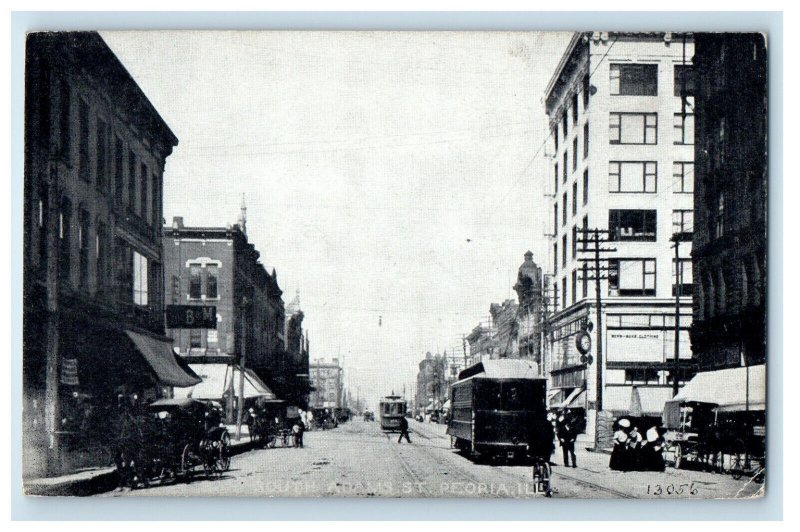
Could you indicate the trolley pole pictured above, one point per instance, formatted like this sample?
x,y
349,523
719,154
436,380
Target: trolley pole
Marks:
x,y
240,405
598,301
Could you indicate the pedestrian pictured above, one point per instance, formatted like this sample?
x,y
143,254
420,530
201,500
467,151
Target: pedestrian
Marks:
x,y
634,449
565,430
619,454
403,430
297,433
652,452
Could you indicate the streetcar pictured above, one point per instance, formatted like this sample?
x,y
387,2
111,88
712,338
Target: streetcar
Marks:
x,y
499,410
392,408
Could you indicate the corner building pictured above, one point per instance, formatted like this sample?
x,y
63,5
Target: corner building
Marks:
x,y
621,160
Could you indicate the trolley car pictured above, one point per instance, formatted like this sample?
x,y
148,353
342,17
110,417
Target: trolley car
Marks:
x,y
392,408
499,410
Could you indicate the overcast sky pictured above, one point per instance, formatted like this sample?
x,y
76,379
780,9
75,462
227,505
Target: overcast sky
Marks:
x,y
389,177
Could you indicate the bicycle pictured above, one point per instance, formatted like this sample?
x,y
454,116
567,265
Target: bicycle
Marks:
x,y
542,477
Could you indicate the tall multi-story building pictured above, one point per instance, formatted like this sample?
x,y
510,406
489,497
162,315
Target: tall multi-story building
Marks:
x,y
620,112
432,382
93,331
327,382
730,203
218,266
297,353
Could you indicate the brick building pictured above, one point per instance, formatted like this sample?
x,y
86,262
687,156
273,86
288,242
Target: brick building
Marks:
x,y
93,332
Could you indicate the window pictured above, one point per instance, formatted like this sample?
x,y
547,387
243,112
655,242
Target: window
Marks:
x,y
574,241
683,128
83,139
132,165
564,251
65,239
633,128
632,225
632,277
211,281
195,339
155,195
119,169
682,283
719,218
195,281
100,254
682,221
575,153
632,176
585,90
574,198
555,138
555,258
555,218
585,140
64,120
585,280
575,108
143,191
684,375
139,279
555,297
212,339
585,231
564,292
633,80
555,178
586,186
574,286
684,77
102,154
564,208
564,168
641,376
682,177
83,246
564,122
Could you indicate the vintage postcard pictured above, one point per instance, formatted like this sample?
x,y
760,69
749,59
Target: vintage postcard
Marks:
x,y
395,264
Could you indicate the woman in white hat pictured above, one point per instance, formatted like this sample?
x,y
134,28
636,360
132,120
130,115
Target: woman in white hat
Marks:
x,y
653,451
619,454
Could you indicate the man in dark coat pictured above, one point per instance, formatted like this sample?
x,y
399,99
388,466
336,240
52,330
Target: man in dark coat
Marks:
x,y
565,429
403,430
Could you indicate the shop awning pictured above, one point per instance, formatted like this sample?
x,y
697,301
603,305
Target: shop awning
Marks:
x,y
446,405
161,358
733,389
216,381
576,399
652,399
555,397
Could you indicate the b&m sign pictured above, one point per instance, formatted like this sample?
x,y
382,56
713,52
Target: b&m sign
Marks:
x,y
191,317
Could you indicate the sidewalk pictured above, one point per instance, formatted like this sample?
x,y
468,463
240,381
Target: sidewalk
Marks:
x,y
101,479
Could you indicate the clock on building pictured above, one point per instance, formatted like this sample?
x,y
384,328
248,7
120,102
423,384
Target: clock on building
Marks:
x,y
583,342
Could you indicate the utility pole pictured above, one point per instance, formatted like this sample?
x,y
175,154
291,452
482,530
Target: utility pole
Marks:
x,y
677,238
240,409
593,237
51,399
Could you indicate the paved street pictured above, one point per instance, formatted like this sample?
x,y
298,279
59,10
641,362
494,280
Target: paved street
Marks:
x,y
358,459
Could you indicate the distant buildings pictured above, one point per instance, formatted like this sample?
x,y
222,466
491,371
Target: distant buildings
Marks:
x,y
432,383
328,384
620,111
93,329
531,312
730,202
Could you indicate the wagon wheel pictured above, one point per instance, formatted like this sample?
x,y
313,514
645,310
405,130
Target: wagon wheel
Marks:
x,y
679,455
738,459
224,453
186,461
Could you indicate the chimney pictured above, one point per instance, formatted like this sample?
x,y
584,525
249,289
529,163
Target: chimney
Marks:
x,y
177,222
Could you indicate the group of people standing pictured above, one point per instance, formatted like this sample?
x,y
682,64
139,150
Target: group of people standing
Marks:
x,y
634,452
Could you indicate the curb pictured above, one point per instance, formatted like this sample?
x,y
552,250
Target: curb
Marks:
x,y
101,481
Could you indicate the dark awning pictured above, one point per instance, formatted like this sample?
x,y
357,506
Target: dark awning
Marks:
x,y
161,358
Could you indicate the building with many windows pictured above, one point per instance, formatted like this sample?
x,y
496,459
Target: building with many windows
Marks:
x,y
622,160
530,312
218,266
93,332
730,204
327,381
